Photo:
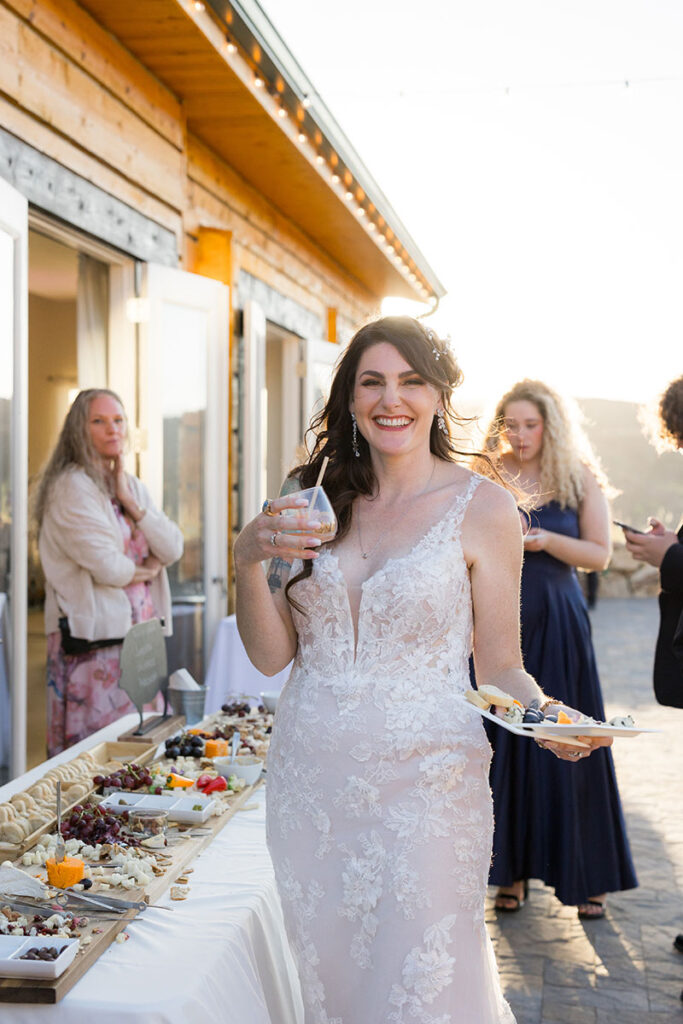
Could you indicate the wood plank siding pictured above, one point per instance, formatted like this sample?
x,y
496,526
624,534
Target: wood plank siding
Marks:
x,y
141,100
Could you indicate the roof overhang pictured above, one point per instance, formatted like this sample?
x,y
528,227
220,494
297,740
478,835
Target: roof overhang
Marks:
x,y
246,98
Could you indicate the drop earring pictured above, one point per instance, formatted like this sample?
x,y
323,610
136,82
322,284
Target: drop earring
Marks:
x,y
442,421
354,436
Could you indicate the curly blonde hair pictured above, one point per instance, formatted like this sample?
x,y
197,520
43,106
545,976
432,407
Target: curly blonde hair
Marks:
x,y
566,451
75,448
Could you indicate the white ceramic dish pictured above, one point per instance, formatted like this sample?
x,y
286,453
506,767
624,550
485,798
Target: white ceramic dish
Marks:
x,y
179,808
269,698
554,730
245,767
13,946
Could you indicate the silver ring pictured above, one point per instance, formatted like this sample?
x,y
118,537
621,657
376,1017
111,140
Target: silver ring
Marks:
x,y
267,508
575,753
273,539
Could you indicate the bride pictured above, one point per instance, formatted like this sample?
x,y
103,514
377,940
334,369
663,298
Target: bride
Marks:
x,y
379,811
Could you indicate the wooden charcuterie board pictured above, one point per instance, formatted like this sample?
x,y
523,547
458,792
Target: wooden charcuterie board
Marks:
x,y
179,857
108,757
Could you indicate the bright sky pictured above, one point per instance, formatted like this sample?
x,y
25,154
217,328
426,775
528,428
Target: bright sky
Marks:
x,y
546,193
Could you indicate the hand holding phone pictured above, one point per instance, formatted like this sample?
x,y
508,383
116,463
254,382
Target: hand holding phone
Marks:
x,y
625,526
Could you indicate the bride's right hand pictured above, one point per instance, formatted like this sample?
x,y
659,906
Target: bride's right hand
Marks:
x,y
264,537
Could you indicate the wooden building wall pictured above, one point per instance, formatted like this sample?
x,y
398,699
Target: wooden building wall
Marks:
x,y
71,91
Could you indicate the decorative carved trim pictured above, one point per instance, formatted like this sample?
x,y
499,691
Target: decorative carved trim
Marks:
x,y
57,190
278,308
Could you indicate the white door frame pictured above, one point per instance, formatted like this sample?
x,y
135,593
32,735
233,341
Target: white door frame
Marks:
x,y
14,222
254,422
169,285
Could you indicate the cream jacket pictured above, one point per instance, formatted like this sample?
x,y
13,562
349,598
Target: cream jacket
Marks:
x,y
81,550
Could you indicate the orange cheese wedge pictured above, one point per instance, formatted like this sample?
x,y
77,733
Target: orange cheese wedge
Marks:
x,y
64,873
216,748
563,718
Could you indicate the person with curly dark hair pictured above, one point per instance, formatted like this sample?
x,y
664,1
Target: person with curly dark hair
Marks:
x,y
671,414
379,811
664,549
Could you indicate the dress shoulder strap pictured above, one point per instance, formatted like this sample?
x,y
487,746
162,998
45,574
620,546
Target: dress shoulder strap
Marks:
x,y
459,506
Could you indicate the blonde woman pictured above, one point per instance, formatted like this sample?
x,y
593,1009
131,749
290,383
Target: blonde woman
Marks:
x,y
104,547
564,827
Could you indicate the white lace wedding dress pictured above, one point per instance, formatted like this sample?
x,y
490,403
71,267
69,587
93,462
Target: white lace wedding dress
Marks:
x,y
379,809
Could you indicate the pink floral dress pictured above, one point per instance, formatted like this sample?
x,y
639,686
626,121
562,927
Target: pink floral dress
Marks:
x,y
83,694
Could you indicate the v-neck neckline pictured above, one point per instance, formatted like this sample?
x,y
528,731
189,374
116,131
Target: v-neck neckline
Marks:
x,y
328,553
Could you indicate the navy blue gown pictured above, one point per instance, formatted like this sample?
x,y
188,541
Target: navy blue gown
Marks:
x,y
559,822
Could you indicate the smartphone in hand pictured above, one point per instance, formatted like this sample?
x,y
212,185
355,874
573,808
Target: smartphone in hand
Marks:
x,y
625,526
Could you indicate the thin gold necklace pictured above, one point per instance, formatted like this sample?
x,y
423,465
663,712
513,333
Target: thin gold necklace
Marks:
x,y
383,534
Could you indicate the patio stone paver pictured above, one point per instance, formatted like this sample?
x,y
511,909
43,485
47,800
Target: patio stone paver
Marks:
x,y
623,969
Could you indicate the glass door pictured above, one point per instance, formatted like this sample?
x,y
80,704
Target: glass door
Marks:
x,y
13,477
319,358
183,414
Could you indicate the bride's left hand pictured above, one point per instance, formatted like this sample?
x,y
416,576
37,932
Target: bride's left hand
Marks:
x,y
567,752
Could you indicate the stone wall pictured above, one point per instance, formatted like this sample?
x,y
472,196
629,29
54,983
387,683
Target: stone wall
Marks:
x,y
625,577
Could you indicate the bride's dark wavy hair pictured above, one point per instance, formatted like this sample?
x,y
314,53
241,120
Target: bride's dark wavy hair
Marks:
x,y
330,432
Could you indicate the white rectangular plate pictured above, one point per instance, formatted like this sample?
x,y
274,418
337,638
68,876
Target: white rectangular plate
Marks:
x,y
555,730
180,808
12,947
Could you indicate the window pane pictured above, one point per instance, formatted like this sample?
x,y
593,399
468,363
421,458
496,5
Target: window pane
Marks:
x,y
6,392
184,412
6,377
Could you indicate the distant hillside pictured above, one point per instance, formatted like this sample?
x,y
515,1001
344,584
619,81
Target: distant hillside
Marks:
x,y
650,484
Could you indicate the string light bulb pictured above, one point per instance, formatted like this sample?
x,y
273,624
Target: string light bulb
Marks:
x,y
258,82
230,46
335,178
281,112
302,137
198,5
320,159
306,102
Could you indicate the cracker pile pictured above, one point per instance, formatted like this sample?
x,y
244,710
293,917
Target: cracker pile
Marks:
x,y
28,811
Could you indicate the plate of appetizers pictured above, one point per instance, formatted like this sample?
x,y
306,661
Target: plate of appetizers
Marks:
x,y
532,722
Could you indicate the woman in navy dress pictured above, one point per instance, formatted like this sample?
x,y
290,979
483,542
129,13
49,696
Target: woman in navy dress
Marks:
x,y
563,826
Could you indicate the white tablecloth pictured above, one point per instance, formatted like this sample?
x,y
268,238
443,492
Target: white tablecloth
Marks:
x,y
5,706
221,956
230,670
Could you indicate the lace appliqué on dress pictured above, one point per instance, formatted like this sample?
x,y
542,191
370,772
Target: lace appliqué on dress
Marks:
x,y
379,809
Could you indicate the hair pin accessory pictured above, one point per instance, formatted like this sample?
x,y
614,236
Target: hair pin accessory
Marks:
x,y
440,346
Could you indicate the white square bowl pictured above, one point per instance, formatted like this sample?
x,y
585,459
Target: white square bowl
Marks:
x,y
12,967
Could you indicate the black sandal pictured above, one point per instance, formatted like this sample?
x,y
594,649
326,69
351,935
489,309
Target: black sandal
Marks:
x,y
586,916
511,896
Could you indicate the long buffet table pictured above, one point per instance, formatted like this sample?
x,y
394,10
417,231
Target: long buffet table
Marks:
x,y
221,955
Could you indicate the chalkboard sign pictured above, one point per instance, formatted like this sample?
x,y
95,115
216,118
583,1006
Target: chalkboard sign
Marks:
x,y
143,664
